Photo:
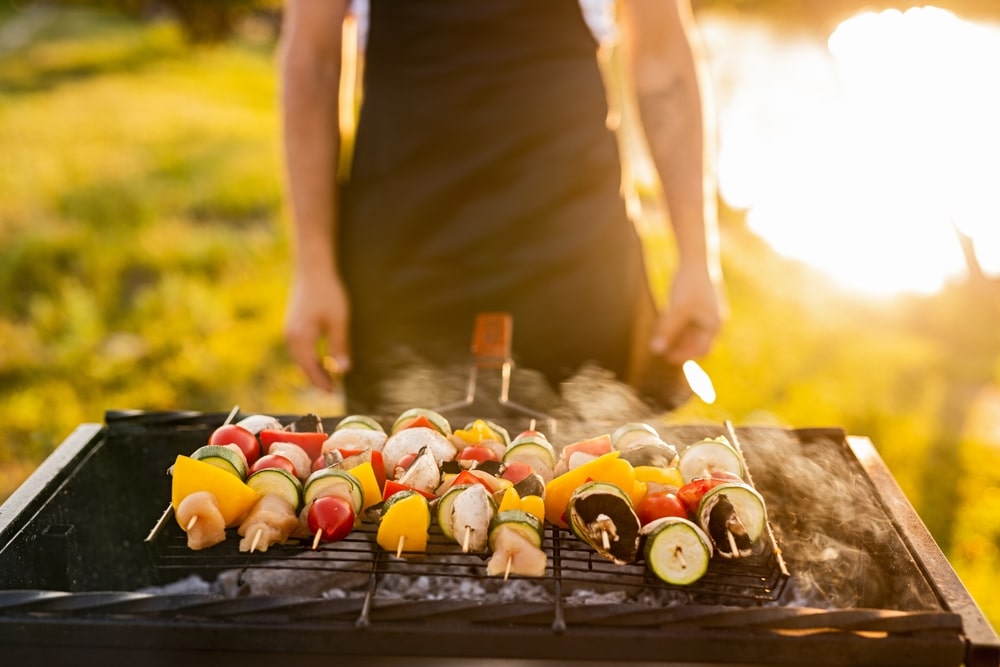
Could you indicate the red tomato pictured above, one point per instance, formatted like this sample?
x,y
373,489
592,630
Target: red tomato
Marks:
x,y
231,434
477,453
310,441
332,517
406,460
515,471
691,493
272,461
659,505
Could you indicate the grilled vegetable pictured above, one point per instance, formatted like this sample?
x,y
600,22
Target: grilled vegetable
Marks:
x,y
359,422
422,474
412,440
334,482
734,517
656,454
703,458
607,468
234,498
234,434
601,515
331,518
278,482
676,550
464,515
224,457
421,418
311,442
536,452
403,523
299,457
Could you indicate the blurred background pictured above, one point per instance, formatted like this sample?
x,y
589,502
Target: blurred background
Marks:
x,y
144,246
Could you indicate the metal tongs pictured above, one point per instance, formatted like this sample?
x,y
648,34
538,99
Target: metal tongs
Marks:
x,y
491,351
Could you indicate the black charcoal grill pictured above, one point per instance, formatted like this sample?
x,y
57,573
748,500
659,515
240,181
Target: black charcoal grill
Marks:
x,y
92,571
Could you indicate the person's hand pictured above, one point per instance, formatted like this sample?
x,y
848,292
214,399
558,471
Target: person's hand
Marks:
x,y
318,313
692,318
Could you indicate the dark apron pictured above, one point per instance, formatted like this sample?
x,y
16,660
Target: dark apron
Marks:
x,y
485,179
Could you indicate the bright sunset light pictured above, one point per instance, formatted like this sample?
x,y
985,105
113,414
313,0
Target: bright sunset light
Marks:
x,y
859,156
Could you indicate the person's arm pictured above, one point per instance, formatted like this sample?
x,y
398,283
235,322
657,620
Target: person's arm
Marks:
x,y
309,68
659,42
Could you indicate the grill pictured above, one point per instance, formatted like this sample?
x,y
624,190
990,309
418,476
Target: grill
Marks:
x,y
91,569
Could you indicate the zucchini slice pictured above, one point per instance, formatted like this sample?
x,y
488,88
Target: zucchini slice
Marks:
x,y
677,551
222,456
524,523
279,482
702,458
334,482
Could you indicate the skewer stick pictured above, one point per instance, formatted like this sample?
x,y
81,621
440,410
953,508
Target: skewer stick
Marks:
x,y
399,547
319,534
506,570
732,543
531,424
191,523
232,415
256,539
605,541
679,553
465,540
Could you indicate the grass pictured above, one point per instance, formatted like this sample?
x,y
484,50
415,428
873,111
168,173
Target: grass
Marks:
x,y
144,257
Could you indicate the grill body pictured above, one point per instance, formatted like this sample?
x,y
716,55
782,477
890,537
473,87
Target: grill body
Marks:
x,y
89,573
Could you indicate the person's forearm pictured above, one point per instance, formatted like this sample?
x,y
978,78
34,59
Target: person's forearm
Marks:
x,y
311,136
677,123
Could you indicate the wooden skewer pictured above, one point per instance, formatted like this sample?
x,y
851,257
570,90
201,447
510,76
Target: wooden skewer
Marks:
x,y
679,553
319,534
732,544
256,539
232,415
465,541
605,541
531,424
399,548
506,571
191,523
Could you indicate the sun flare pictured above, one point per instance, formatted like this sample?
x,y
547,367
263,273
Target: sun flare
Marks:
x,y
861,157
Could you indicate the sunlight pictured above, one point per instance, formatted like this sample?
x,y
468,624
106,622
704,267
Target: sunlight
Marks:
x,y
861,157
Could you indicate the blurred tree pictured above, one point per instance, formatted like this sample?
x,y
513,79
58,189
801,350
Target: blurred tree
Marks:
x,y
202,22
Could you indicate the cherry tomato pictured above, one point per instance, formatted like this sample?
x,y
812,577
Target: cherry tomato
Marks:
x,y
477,453
691,493
405,461
332,517
272,461
231,434
659,505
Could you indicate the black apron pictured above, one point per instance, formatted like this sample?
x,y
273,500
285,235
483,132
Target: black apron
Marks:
x,y
485,178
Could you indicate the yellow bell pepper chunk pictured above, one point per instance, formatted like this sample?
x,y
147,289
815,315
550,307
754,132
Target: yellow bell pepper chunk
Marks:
x,y
365,474
671,475
606,468
404,525
235,498
534,505
479,431
510,500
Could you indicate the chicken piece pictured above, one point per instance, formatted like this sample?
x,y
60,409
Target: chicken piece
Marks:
x,y
199,515
513,553
271,521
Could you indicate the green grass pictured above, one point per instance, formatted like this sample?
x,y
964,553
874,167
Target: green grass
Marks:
x,y
144,262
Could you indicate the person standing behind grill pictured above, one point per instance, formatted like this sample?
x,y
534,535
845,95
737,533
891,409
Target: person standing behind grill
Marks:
x,y
484,178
